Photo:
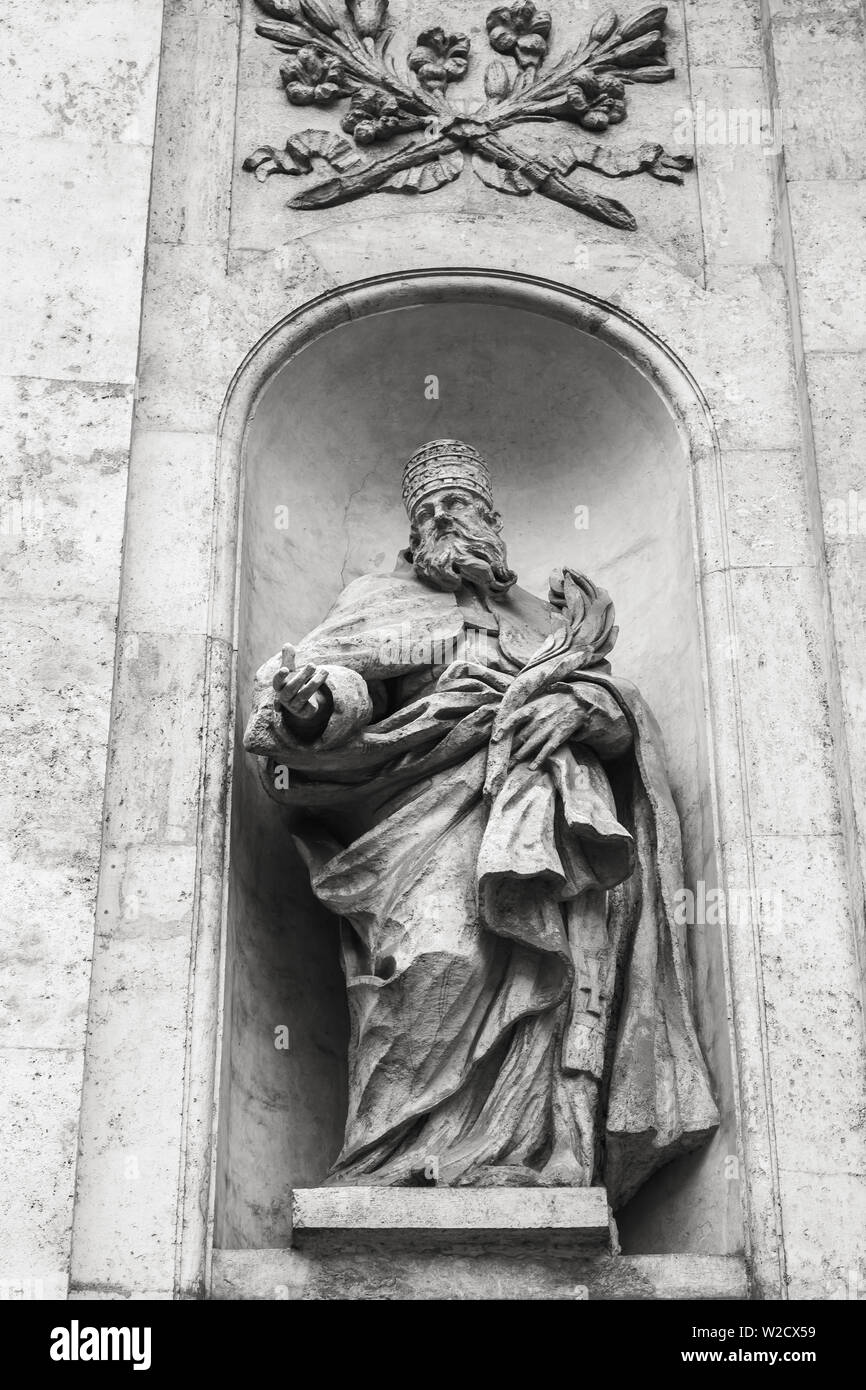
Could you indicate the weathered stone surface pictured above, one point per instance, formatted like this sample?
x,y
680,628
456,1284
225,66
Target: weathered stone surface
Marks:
x,y
828,219
740,347
76,123
61,668
198,75
104,203
413,1218
291,1274
40,1091
766,516
732,127
837,396
818,49
814,1012
817,1268
83,69
127,1173
63,453
158,697
724,33
170,485
793,782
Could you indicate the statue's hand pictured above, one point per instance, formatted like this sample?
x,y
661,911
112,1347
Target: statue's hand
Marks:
x,y
542,726
302,694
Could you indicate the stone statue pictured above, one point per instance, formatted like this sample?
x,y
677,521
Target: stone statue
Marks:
x,y
487,813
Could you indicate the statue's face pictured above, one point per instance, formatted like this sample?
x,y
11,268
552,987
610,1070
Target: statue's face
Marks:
x,y
446,511
455,539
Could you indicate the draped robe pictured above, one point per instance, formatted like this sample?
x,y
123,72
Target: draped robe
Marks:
x,y
519,992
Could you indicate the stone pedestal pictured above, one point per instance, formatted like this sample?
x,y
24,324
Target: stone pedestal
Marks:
x,y
405,1275
436,1218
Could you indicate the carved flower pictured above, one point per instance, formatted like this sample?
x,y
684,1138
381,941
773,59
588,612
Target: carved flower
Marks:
x,y
439,58
520,30
594,101
368,16
374,115
312,77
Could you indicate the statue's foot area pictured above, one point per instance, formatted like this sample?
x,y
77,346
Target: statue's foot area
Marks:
x,y
500,1175
565,1173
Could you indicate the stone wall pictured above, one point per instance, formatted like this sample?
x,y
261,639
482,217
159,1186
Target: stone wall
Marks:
x,y
816,85
79,92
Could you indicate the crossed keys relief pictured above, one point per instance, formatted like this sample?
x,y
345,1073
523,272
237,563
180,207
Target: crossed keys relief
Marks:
x,y
341,54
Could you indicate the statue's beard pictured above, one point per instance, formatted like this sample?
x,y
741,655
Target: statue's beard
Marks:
x,y
449,554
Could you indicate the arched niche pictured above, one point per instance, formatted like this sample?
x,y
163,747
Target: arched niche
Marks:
x,y
591,428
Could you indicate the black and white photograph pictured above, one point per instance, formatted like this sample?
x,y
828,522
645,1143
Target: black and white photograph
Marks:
x,y
433,563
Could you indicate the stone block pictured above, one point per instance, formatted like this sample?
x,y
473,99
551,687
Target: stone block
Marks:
x,y
289,1275
69,313
168,549
87,70
724,33
732,127
785,730
818,51
417,1218
764,510
63,454
39,1097
829,221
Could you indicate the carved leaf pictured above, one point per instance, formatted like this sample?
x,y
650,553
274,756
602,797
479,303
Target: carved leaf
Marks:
x,y
322,15
603,27
661,73
612,162
300,150
590,610
503,180
644,22
368,16
339,153
620,164
266,161
425,178
497,83
668,167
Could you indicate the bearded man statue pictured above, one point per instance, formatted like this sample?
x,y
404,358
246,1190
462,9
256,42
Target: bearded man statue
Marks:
x,y
485,809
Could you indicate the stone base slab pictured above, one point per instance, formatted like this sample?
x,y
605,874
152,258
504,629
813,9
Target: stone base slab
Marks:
x,y
297,1275
412,1218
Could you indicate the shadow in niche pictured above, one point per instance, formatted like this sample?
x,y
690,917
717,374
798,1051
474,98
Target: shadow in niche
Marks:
x,y
589,470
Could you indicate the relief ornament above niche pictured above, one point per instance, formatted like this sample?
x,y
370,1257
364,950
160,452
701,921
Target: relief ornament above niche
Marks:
x,y
340,56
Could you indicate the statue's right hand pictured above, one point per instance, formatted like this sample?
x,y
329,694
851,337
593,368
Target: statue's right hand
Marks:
x,y
299,692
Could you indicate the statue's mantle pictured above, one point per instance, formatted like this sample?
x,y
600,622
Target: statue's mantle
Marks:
x,y
571,1218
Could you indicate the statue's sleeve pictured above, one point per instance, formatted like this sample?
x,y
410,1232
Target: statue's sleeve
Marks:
x,y
606,729
356,702
343,645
